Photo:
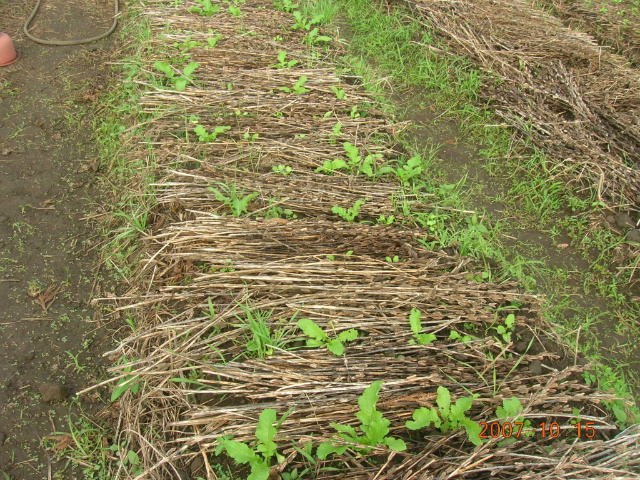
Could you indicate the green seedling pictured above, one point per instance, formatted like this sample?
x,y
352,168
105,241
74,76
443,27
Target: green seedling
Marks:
x,y
415,321
354,112
260,457
250,137
128,382
350,213
454,335
474,225
336,131
331,257
179,82
372,424
262,340
319,337
383,220
213,41
282,169
447,417
313,38
79,368
234,198
328,114
209,137
411,169
338,91
506,330
298,87
512,408
275,211
394,259
206,8
286,5
283,62
188,44
235,11
304,23
358,165
332,166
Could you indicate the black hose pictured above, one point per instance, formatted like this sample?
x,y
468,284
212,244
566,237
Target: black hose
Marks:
x,y
68,42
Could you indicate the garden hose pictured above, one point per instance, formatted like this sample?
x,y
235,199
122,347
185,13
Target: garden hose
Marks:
x,y
68,42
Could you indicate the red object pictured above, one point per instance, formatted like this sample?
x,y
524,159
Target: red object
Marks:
x,y
8,53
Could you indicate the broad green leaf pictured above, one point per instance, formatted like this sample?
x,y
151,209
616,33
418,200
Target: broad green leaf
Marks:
x,y
314,342
181,84
423,417
367,403
473,431
189,69
259,471
396,444
425,338
510,408
348,429
165,68
311,329
327,448
265,431
444,402
240,452
348,335
336,347
510,320
377,429
414,320
123,385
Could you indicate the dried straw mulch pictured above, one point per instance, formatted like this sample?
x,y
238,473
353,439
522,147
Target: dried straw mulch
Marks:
x,y
204,273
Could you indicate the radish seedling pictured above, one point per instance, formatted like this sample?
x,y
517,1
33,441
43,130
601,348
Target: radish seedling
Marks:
x,y
374,426
320,338
179,82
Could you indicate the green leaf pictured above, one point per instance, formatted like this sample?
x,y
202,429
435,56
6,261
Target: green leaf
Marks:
x,y
181,84
165,68
367,403
266,432
444,402
510,408
423,417
425,338
327,448
510,320
414,320
348,335
396,444
189,69
348,429
473,431
240,452
336,347
259,471
377,429
311,329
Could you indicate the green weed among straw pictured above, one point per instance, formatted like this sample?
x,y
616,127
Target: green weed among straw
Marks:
x,y
205,136
260,457
373,425
416,327
234,198
179,82
447,417
206,8
283,62
319,337
349,214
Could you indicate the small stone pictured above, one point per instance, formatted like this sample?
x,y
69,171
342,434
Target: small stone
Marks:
x,y
624,221
633,236
521,347
611,219
53,391
535,367
197,464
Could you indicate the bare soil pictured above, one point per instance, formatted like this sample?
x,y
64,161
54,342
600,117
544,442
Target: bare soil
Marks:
x,y
48,167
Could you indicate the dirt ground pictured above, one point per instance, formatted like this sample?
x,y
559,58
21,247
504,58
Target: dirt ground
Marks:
x,y
49,342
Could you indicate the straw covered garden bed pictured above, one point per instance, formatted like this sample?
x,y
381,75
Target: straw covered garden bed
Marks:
x,y
290,312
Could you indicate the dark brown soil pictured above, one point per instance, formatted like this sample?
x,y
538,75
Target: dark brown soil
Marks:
x,y
47,251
